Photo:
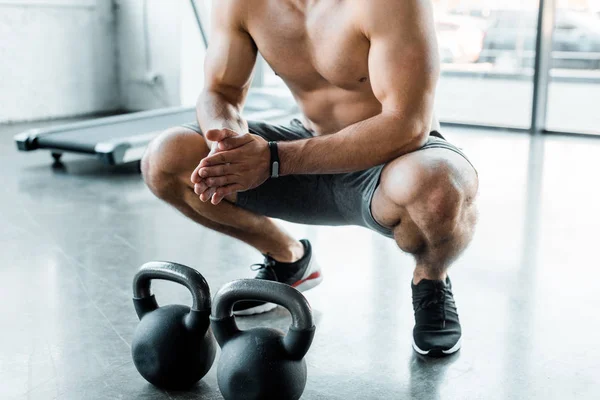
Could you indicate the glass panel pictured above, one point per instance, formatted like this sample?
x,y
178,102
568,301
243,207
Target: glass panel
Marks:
x,y
574,96
487,50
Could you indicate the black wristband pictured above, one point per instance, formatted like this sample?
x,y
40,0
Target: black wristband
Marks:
x,y
274,160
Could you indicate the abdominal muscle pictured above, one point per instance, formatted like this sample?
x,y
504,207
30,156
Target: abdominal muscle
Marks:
x,y
328,111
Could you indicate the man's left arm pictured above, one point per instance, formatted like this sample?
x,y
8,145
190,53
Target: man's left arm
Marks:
x,y
403,70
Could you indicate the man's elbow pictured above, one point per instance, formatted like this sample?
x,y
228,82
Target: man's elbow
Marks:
x,y
419,138
230,94
414,136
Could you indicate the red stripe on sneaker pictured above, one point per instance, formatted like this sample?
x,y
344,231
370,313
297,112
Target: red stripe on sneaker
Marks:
x,y
314,275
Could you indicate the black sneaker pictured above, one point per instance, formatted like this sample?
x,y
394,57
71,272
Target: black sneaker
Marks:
x,y
437,329
303,275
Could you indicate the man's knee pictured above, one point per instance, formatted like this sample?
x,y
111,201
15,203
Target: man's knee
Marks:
x,y
442,202
437,190
446,200
171,158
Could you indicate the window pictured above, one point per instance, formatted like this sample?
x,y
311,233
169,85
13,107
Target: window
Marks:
x,y
487,61
574,93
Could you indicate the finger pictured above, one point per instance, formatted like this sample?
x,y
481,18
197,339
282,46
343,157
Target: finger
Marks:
x,y
219,181
216,135
215,200
196,178
234,142
216,159
214,148
225,191
200,188
207,194
196,175
217,170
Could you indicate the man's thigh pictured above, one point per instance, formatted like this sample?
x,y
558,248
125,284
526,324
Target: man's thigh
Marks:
x,y
303,199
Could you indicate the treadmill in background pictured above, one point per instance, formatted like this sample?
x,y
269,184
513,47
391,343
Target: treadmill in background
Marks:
x,y
124,138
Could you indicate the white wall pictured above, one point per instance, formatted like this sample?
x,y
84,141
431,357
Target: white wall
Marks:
x,y
57,59
156,54
173,52
191,78
61,58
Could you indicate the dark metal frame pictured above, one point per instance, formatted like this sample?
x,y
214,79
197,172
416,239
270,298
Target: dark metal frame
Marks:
x,y
543,54
197,14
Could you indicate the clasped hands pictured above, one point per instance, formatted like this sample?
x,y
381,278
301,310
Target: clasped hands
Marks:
x,y
236,163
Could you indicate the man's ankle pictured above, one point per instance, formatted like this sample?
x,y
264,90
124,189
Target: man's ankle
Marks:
x,y
431,274
292,253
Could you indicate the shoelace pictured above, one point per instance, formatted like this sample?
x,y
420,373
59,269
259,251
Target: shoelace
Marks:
x,y
265,267
437,297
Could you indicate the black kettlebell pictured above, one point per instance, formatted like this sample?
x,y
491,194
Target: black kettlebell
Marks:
x,y
262,363
173,346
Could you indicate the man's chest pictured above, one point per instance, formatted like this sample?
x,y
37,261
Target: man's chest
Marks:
x,y
324,47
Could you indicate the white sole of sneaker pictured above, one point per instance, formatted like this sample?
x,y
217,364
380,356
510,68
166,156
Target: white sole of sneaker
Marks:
x,y
256,310
311,278
453,350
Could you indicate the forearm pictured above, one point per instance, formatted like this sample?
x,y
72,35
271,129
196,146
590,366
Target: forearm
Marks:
x,y
215,110
360,146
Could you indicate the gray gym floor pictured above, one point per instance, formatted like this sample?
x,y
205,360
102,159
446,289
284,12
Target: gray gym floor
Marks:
x,y
527,289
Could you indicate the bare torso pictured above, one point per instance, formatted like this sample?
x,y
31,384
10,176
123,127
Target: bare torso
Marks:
x,y
322,56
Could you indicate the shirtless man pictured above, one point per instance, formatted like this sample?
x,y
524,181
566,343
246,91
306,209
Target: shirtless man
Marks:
x,y
364,74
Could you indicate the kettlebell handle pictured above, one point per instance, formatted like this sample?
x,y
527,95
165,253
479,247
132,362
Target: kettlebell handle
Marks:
x,y
301,332
169,271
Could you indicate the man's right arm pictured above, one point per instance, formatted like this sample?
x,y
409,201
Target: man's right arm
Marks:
x,y
228,66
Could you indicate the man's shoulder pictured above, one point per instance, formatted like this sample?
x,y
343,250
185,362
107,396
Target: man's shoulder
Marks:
x,y
231,6
378,14
368,7
232,12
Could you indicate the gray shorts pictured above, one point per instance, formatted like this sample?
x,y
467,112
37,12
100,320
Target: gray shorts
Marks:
x,y
339,199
